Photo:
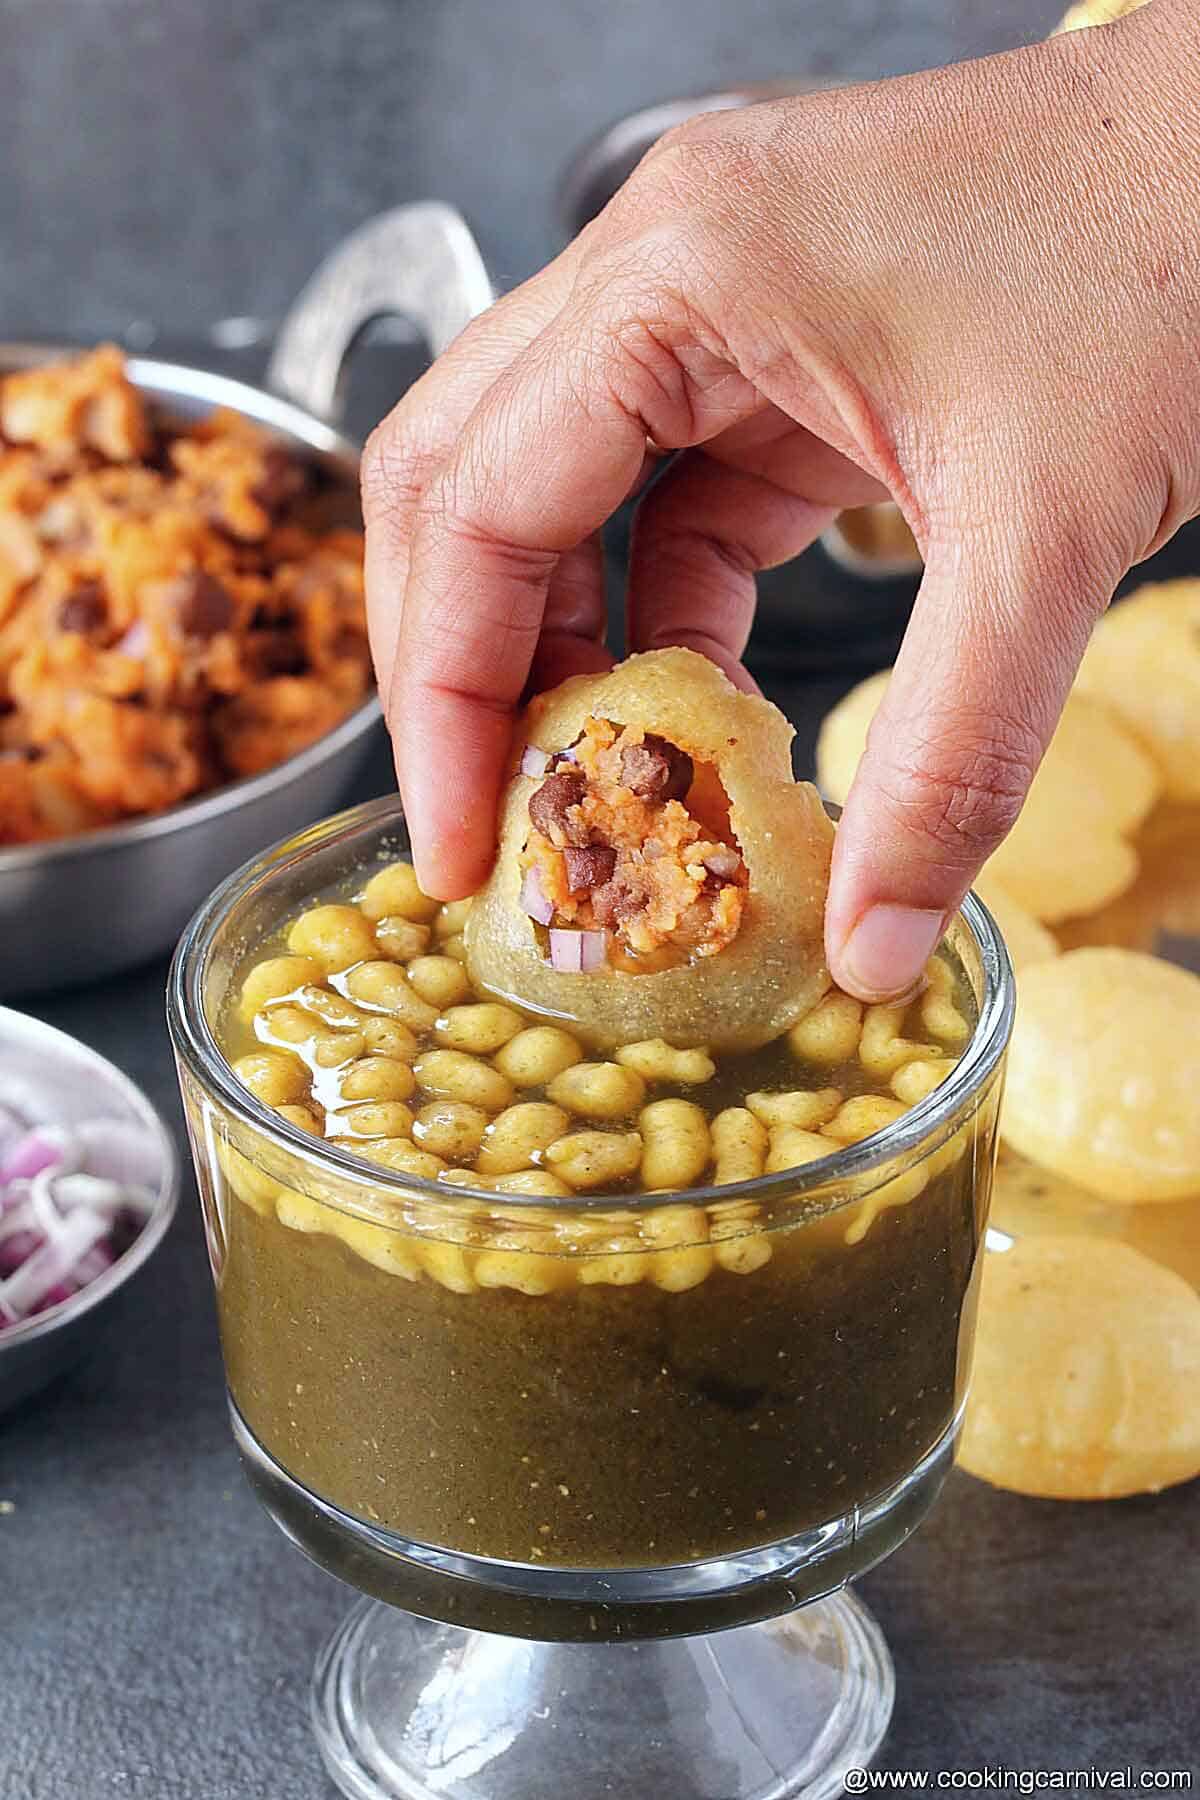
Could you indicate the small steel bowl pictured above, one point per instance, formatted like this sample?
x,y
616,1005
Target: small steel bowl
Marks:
x,y
35,1351
82,907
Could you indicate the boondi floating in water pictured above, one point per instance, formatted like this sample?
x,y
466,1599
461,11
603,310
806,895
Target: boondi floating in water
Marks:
x,y
660,872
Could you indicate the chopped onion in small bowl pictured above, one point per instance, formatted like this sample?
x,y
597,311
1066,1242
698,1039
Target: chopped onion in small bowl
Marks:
x,y
69,1207
89,1181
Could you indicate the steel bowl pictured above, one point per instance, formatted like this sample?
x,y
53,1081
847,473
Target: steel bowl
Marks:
x,y
83,907
36,1055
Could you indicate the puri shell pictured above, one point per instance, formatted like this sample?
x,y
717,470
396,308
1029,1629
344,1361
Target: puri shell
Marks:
x,y
774,971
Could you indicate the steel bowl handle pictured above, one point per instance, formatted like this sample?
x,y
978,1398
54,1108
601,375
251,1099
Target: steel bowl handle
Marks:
x,y
420,262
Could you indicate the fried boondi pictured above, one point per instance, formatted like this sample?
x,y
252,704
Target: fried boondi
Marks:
x,y
168,621
1104,1073
380,1044
660,872
1087,1366
1069,851
1144,662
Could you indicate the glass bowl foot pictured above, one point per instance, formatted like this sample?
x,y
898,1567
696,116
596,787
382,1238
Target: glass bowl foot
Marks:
x,y
409,1710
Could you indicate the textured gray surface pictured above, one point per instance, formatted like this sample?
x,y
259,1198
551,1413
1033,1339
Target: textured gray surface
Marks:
x,y
186,159
178,160
159,1634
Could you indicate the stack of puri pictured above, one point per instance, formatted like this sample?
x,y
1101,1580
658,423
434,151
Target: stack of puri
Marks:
x,y
1086,1380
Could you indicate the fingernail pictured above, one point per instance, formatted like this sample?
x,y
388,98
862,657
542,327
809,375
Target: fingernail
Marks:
x,y
888,948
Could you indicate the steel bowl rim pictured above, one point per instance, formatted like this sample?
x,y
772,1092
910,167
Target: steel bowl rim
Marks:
x,y
197,1049
317,436
166,1200
192,381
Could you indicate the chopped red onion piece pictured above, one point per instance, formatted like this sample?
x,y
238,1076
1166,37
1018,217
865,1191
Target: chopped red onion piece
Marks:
x,y
109,1147
101,1195
17,1247
578,952
93,1263
72,1198
534,762
566,952
50,1221
23,1291
19,1214
54,1296
595,950
12,1129
136,640
534,900
723,861
41,1148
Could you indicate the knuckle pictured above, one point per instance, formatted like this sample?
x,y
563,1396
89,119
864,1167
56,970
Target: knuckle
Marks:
x,y
682,136
386,473
680,167
693,176
668,167
707,158
645,378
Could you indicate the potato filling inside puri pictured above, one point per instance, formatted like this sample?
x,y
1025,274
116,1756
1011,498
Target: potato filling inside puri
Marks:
x,y
630,844
660,872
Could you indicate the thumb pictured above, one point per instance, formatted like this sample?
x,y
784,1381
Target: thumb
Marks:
x,y
995,638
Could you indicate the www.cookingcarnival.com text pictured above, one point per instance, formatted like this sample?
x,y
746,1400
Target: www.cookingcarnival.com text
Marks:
x,y
997,1777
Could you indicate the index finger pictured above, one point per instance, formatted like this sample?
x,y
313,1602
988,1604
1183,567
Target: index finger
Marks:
x,y
548,454
410,445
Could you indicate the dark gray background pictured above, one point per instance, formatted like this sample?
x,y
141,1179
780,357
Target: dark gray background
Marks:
x,y
176,162
180,160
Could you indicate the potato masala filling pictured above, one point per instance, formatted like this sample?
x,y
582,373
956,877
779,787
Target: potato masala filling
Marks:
x,y
630,857
181,602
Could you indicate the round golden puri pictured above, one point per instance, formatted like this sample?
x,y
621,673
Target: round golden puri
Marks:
x,y
774,971
1087,1366
1104,1073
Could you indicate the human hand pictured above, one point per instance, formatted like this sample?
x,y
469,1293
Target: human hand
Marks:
x,y
976,290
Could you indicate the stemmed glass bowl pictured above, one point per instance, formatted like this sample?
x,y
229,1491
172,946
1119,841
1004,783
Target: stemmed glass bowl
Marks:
x,y
602,1466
